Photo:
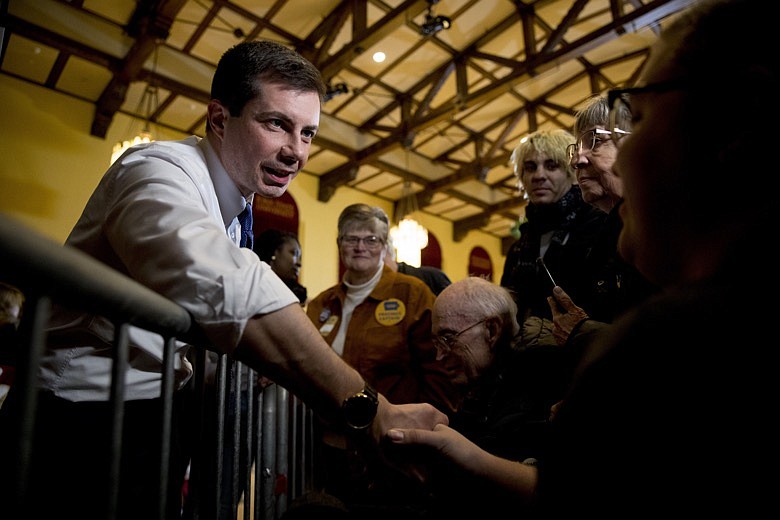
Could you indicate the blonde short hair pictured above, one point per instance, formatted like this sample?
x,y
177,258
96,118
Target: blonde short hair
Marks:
x,y
551,143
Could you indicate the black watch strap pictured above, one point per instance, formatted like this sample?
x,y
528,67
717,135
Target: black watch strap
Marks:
x,y
360,409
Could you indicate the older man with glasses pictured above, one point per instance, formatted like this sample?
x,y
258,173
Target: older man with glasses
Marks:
x,y
378,321
510,387
511,390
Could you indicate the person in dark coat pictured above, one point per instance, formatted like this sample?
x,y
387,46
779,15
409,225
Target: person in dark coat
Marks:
x,y
612,285
559,225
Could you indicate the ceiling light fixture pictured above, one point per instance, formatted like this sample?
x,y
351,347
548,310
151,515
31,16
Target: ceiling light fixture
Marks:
x,y
409,236
433,23
148,106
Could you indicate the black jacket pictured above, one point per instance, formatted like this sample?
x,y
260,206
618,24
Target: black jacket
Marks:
x,y
575,225
611,285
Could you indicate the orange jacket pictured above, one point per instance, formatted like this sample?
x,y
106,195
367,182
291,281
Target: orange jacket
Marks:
x,y
389,341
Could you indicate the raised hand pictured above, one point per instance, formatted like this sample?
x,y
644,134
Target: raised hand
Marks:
x,y
566,315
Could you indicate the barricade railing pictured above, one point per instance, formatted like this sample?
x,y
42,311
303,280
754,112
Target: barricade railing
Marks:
x,y
278,427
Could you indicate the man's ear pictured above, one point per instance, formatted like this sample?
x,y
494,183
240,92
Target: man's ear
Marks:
x,y
493,330
217,114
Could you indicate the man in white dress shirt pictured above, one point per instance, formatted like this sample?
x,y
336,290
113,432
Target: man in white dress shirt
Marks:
x,y
165,214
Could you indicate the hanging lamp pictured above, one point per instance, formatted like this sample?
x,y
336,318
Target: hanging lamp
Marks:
x,y
409,236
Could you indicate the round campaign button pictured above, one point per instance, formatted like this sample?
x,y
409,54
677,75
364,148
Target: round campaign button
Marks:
x,y
390,312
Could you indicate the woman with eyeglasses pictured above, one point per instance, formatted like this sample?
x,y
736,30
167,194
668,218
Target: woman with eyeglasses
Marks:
x,y
378,321
671,413
611,285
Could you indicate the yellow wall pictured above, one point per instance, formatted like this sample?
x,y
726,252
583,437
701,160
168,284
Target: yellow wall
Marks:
x,y
50,165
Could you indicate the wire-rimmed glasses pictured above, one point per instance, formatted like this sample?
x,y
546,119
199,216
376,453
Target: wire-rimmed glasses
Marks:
x,y
371,241
446,342
590,140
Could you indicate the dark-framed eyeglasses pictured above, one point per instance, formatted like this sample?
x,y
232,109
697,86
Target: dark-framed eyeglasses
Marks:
x,y
619,102
446,342
371,241
588,141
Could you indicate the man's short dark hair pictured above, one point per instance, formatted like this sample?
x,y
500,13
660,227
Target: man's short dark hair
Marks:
x,y
236,82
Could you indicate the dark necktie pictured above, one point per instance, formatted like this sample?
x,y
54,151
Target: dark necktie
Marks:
x,y
245,219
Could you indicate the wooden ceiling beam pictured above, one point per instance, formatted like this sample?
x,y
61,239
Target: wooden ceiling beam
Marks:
x,y
150,24
360,42
460,228
523,70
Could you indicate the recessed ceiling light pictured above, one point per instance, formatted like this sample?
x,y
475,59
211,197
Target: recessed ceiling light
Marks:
x,y
379,57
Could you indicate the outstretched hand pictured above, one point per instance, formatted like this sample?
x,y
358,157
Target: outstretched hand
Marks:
x,y
421,417
449,444
566,315
425,450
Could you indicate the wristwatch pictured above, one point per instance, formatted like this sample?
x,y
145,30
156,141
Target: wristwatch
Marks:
x,y
360,409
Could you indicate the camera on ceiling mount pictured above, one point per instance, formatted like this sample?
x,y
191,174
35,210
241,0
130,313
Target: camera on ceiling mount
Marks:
x,y
333,90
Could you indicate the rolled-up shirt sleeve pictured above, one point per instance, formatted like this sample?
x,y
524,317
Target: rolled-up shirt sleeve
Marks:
x,y
162,221
161,216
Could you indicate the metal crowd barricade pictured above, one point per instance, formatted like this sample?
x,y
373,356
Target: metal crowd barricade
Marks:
x,y
278,429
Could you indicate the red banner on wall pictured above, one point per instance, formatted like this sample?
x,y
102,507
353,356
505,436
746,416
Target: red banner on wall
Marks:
x,y
280,213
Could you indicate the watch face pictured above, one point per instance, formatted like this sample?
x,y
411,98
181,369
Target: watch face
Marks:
x,y
359,411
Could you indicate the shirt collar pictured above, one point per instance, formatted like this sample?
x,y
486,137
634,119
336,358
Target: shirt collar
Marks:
x,y
231,202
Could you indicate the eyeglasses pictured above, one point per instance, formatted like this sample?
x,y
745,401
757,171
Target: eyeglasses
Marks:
x,y
619,102
445,343
590,140
371,241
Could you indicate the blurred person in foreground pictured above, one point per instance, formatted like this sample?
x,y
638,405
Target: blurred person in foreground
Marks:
x,y
671,411
170,215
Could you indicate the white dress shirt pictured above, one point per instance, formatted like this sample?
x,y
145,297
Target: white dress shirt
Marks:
x,y
164,214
